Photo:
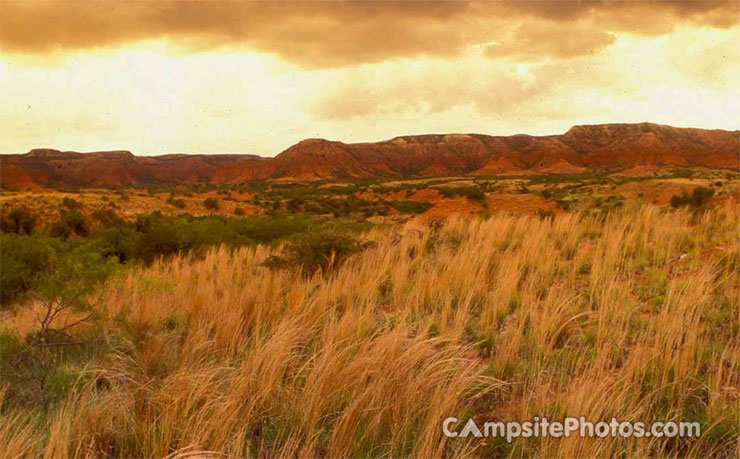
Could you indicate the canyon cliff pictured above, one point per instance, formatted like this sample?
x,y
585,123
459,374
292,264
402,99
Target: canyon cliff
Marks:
x,y
589,148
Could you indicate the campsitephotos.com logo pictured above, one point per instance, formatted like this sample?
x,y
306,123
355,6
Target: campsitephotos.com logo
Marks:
x,y
570,426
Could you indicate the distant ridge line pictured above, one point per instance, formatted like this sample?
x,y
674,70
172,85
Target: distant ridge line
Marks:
x,y
582,149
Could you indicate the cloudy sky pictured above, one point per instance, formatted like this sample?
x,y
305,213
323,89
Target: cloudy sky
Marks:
x,y
156,77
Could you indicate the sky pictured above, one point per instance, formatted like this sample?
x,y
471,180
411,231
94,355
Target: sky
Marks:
x,y
159,77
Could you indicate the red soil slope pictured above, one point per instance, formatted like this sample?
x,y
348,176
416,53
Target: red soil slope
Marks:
x,y
608,147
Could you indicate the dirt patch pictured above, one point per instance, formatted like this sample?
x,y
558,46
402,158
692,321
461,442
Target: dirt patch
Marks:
x,y
335,185
521,204
423,195
448,207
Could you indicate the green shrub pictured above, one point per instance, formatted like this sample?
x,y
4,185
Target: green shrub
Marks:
x,y
107,217
678,201
71,223
180,203
470,192
59,230
411,207
564,203
21,258
239,211
211,203
701,196
267,229
120,242
76,267
698,197
70,203
160,238
147,238
47,265
19,220
35,369
318,251
545,214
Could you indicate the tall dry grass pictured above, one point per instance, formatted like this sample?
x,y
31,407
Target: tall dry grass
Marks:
x,y
634,317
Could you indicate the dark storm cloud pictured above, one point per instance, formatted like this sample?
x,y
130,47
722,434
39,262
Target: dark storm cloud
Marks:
x,y
334,34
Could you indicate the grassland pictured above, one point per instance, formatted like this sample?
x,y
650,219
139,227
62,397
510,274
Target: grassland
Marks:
x,y
612,310
376,198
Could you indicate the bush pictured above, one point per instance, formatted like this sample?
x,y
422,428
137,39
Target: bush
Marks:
x,y
294,205
72,222
19,220
107,217
698,198
239,211
59,230
545,214
61,275
564,204
119,242
21,258
179,203
160,238
47,265
70,203
470,192
156,235
411,207
318,251
683,173
701,196
678,201
211,203
266,229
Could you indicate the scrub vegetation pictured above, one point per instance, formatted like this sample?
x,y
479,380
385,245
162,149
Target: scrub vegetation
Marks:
x,y
360,342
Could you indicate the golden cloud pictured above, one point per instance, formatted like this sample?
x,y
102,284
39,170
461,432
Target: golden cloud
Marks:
x,y
691,61
334,34
532,40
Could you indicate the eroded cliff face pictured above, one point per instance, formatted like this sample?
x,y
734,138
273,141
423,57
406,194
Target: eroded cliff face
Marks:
x,y
606,147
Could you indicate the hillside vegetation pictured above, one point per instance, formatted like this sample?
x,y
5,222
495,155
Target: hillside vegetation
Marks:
x,y
633,316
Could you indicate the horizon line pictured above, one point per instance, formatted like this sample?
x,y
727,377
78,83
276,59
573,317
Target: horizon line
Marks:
x,y
124,150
